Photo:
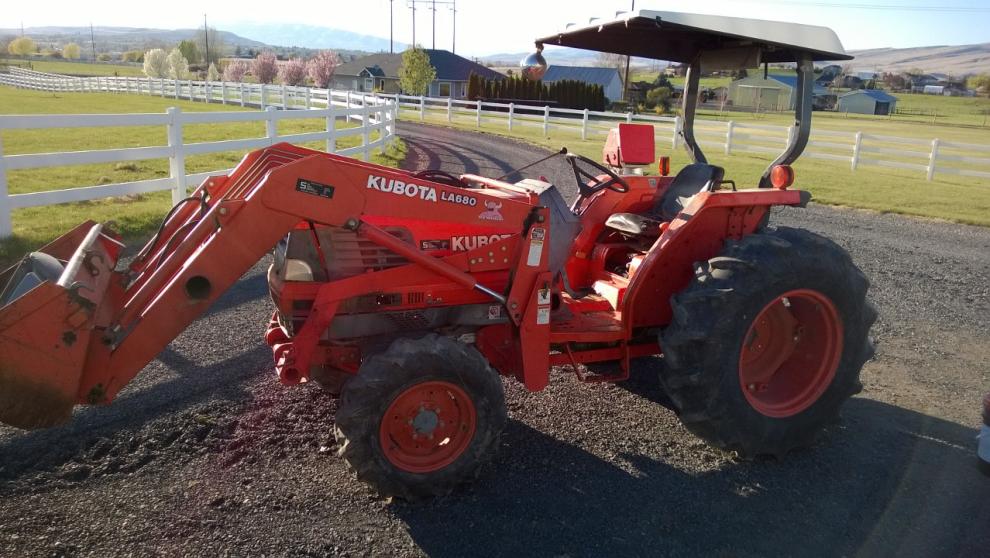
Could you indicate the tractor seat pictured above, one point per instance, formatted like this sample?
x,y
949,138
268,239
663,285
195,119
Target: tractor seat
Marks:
x,y
692,179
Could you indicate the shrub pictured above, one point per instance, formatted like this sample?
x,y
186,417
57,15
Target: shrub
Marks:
x,y
178,66
22,46
235,71
156,63
71,51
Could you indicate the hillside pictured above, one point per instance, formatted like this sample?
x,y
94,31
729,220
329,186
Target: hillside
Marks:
x,y
952,60
118,39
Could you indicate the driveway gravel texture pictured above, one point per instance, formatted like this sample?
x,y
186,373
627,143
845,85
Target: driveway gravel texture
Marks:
x,y
205,454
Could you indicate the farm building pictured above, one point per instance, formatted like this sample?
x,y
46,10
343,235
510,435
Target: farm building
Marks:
x,y
380,72
608,78
867,101
773,93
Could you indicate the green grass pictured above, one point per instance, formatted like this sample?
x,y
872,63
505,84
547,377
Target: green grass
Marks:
x,y
76,68
136,216
953,198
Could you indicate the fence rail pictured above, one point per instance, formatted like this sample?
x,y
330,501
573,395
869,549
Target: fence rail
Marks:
x,y
854,148
374,115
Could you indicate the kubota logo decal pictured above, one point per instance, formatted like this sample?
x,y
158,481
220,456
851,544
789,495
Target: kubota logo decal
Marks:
x,y
462,243
423,192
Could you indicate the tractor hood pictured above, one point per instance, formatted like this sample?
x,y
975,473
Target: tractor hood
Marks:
x,y
722,42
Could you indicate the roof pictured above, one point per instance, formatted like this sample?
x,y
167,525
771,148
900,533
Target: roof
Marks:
x,y
876,94
789,81
449,66
600,76
681,37
374,71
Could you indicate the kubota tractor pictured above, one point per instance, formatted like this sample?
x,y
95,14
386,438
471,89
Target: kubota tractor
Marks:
x,y
411,294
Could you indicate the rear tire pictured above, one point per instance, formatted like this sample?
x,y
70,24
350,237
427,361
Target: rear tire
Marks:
x,y
420,418
798,285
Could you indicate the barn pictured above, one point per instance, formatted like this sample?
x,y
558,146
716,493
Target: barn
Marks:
x,y
608,78
775,92
867,101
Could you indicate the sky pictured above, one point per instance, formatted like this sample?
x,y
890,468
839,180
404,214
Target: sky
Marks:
x,y
488,27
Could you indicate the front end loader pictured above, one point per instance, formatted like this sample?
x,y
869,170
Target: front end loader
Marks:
x,y
410,295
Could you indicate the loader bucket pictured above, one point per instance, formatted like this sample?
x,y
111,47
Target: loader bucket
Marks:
x,y
49,305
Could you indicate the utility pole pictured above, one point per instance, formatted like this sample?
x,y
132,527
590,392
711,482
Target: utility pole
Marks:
x,y
625,80
391,26
206,39
412,4
453,11
92,40
434,8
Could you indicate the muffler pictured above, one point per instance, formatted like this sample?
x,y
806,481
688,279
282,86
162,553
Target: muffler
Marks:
x,y
50,304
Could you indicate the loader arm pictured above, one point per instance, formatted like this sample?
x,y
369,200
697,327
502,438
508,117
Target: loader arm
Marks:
x,y
123,319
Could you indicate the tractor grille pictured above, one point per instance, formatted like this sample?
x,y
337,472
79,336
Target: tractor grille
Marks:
x,y
353,255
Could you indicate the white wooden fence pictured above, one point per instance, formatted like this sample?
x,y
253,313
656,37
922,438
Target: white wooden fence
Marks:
x,y
854,148
376,116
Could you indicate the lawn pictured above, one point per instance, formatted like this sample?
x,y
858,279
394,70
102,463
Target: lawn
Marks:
x,y
68,68
954,198
136,216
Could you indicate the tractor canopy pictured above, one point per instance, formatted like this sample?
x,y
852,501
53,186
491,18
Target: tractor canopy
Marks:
x,y
708,43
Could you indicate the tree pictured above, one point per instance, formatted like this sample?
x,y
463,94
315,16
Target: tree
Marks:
x,y
980,83
235,71
265,67
132,56
22,46
71,51
217,46
211,73
322,66
416,73
611,60
189,51
292,72
178,65
659,97
156,63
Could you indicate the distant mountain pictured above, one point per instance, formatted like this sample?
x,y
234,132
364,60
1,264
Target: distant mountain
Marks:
x,y
312,36
119,39
554,55
952,60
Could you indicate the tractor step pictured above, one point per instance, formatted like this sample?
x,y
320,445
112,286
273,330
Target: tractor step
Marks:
x,y
587,320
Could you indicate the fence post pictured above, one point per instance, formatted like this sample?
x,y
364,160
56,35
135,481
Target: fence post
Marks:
x,y
932,158
177,161
348,99
149,86
223,92
584,125
477,114
331,127
161,84
6,228
382,108
450,108
422,108
729,127
271,124
192,97
858,143
176,89
241,87
677,132
512,114
366,111
309,98
629,118
546,120
264,101
285,97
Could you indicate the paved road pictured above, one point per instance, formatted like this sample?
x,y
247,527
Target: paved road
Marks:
x,y
205,455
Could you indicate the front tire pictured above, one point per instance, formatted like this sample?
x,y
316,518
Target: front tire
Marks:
x,y
767,342
420,418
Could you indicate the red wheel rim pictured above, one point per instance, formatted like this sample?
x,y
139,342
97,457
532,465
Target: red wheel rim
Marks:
x,y
427,427
790,353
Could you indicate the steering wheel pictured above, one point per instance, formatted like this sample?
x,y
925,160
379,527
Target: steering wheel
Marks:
x,y
443,177
581,176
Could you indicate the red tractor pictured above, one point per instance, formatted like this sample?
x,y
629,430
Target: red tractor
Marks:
x,y
410,294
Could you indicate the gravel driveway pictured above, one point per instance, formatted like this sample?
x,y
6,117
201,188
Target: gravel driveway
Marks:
x,y
205,454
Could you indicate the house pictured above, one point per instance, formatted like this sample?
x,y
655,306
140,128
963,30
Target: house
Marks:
x,y
775,92
608,78
380,72
867,101
675,70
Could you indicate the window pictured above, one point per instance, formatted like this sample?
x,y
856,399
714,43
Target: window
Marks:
x,y
369,84
445,89
463,90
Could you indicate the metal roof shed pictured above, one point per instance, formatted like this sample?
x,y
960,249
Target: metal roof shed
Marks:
x,y
867,101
